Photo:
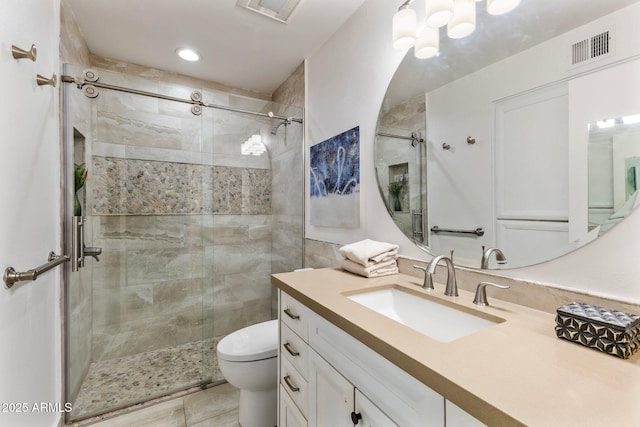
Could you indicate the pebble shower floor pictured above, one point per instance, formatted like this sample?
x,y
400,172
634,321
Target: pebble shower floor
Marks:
x,y
121,382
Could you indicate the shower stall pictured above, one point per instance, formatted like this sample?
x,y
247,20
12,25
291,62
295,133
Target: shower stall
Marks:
x,y
180,202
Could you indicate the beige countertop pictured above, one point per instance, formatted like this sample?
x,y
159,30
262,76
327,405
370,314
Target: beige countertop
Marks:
x,y
514,373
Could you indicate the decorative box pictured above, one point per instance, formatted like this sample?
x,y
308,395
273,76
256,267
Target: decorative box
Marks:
x,y
610,331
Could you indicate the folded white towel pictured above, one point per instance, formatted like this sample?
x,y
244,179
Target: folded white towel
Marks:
x,y
377,270
369,252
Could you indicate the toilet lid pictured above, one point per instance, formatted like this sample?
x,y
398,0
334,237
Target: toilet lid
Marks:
x,y
255,342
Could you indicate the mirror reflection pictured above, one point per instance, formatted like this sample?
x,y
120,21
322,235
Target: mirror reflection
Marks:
x,y
614,171
487,146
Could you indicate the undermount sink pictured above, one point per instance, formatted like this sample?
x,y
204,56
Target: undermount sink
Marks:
x,y
433,319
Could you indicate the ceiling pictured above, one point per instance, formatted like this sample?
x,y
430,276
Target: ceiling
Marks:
x,y
239,47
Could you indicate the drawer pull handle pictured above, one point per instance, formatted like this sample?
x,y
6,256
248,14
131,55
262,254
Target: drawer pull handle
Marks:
x,y
288,312
292,387
290,349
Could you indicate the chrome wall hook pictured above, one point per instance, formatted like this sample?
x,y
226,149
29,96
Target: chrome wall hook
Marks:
x,y
24,54
42,80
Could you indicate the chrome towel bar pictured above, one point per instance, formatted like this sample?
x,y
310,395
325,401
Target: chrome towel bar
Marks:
x,y
10,275
478,231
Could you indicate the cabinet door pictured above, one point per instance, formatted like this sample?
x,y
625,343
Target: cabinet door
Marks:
x,y
290,415
371,415
331,399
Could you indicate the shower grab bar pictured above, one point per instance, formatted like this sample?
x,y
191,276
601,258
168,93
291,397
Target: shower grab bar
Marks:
x,y
80,83
10,275
478,231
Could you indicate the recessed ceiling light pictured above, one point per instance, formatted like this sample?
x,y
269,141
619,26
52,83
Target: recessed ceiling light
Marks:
x,y
188,54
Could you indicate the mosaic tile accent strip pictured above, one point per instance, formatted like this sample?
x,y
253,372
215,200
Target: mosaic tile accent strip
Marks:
x,y
143,187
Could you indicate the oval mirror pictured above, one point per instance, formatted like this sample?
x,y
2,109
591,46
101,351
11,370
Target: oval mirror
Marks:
x,y
521,136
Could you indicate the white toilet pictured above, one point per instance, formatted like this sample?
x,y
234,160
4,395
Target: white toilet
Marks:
x,y
248,361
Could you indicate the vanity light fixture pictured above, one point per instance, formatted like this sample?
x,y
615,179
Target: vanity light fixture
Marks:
x,y
404,27
458,15
463,21
438,13
499,7
428,42
188,54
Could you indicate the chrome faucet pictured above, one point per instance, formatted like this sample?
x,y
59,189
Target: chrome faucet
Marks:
x,y
452,286
486,254
428,283
481,292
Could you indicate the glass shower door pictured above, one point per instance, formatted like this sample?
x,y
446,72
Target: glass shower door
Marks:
x,y
134,319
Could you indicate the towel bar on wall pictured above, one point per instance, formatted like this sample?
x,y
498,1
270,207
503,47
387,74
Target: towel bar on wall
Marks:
x,y
478,231
10,275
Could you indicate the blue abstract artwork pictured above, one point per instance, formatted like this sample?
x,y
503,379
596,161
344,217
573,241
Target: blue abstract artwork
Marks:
x,y
335,181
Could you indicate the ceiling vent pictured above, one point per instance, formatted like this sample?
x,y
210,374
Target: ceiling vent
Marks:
x,y
280,10
597,46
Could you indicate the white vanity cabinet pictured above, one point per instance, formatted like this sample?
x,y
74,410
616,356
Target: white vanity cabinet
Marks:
x,y
327,377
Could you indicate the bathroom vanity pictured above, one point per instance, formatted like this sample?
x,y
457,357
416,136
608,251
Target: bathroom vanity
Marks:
x,y
344,361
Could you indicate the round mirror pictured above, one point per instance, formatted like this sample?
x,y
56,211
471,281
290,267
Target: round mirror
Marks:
x,y
522,136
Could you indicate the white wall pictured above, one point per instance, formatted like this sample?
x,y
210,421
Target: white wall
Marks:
x,y
30,358
346,81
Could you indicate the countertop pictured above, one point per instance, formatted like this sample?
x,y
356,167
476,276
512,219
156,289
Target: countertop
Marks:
x,y
514,373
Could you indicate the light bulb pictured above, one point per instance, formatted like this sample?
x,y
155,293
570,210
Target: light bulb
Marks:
x,y
438,12
463,22
188,54
498,7
427,43
404,28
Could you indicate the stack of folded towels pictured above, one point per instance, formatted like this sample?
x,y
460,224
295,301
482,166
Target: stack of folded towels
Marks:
x,y
369,258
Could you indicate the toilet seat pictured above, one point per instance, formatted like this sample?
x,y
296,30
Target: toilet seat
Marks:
x,y
255,342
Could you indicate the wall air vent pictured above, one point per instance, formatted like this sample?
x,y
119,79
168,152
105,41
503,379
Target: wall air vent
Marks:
x,y
280,10
591,48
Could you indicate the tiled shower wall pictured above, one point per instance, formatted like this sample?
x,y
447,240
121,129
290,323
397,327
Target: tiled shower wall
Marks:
x,y
183,218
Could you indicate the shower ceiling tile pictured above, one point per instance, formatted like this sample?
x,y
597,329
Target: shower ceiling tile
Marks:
x,y
280,10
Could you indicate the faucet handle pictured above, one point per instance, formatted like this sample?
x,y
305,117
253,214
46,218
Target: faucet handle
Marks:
x,y
481,292
428,283
93,252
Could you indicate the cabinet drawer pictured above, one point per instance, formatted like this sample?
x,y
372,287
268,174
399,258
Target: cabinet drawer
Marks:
x,y
294,315
290,415
294,384
294,350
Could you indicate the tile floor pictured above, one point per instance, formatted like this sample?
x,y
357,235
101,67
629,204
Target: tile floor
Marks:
x,y
214,407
